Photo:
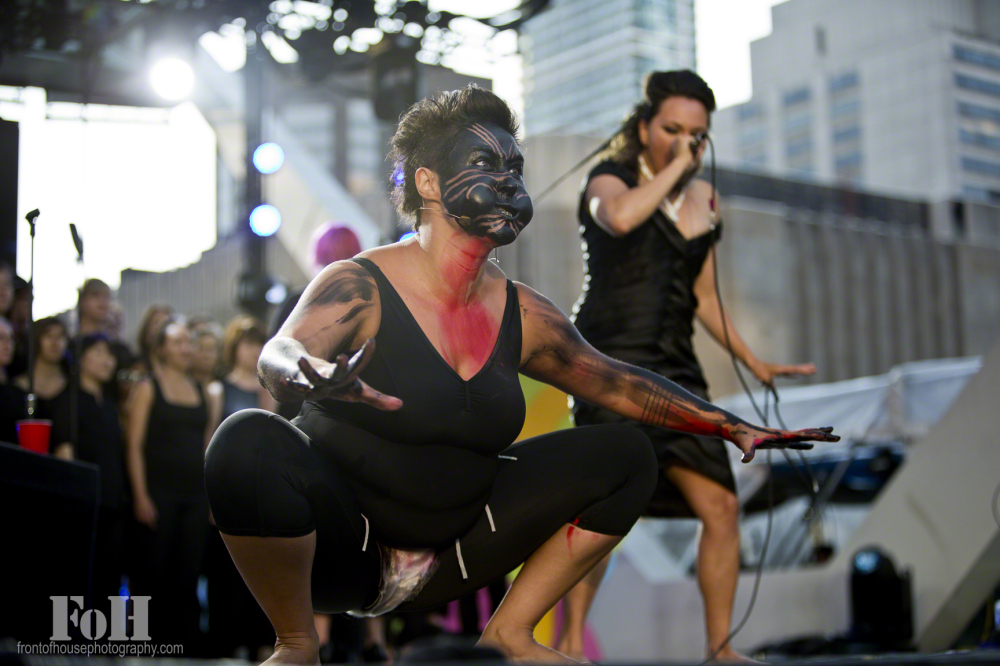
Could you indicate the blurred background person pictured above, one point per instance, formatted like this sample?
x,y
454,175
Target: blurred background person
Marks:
x,y
206,342
237,627
649,226
152,322
96,307
6,288
241,345
171,419
98,441
51,340
12,406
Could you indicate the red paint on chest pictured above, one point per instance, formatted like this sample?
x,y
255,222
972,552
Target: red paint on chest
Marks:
x,y
469,335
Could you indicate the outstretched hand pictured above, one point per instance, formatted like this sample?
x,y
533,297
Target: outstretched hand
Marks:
x,y
318,380
751,438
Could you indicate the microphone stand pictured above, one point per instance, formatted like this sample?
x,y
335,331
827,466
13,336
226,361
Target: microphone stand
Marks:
x,y
31,400
77,366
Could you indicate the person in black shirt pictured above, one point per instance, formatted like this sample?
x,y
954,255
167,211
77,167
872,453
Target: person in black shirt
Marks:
x,y
648,228
12,406
98,441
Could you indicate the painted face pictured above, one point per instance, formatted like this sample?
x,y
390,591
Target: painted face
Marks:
x,y
482,183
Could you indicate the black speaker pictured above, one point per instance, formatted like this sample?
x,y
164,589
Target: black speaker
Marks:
x,y
48,518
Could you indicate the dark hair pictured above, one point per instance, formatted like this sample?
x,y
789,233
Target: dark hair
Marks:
x,y
145,351
427,133
92,286
625,146
42,326
242,328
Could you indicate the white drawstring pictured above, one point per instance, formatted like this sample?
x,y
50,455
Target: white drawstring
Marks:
x,y
461,564
493,528
507,457
365,544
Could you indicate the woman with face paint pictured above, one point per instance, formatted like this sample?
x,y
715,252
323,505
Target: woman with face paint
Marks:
x,y
648,227
397,487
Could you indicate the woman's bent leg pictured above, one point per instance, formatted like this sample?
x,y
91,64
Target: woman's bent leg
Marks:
x,y
559,508
291,527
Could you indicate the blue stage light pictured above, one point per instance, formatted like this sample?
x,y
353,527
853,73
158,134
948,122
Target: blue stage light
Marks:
x,y
408,234
265,220
397,177
268,157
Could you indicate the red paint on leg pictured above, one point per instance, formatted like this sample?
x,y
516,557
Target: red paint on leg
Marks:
x,y
569,534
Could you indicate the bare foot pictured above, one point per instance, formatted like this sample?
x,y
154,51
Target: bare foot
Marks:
x,y
521,646
572,650
303,651
732,655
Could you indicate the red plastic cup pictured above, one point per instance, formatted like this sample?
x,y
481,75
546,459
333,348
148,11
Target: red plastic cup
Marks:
x,y
33,434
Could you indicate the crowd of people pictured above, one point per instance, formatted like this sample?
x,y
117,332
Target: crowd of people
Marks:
x,y
144,415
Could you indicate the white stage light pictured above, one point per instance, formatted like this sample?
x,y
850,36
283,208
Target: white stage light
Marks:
x,y
265,220
268,157
172,79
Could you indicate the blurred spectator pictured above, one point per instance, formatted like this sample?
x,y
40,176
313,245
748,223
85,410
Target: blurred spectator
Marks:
x,y
206,339
152,322
95,308
237,625
51,339
171,419
241,345
98,441
330,242
12,407
6,288
19,317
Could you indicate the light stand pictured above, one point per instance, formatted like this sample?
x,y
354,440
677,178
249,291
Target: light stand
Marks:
x,y
31,399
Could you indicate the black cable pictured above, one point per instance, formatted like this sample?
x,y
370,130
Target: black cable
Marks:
x,y
574,168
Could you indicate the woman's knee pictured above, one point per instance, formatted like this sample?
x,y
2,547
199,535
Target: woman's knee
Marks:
x,y
718,510
249,476
631,453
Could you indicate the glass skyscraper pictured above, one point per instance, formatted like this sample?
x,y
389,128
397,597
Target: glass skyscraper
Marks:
x,y
585,60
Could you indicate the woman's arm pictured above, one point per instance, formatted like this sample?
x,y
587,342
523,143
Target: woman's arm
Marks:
x,y
554,352
619,209
308,357
711,314
140,404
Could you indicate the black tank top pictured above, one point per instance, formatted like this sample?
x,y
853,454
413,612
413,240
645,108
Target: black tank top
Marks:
x,y
423,474
638,300
175,442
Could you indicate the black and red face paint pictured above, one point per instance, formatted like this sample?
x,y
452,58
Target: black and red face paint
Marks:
x,y
483,184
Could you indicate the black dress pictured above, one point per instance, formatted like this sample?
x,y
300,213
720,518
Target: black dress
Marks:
x,y
638,306
174,550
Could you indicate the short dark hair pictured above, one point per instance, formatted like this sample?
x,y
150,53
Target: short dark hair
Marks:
x,y
659,87
427,132
43,325
92,286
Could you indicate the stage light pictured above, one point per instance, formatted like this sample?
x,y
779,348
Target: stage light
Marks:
x,y
172,79
268,157
408,234
276,294
265,220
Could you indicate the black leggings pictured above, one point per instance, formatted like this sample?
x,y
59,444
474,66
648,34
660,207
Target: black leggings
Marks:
x,y
266,478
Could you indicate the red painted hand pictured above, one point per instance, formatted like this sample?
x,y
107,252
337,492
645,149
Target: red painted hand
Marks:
x,y
751,438
318,380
